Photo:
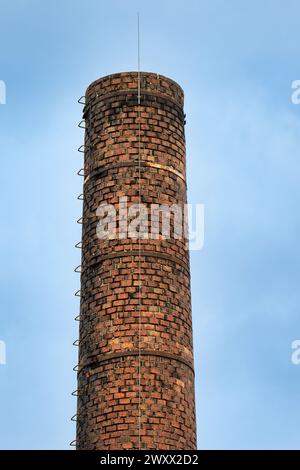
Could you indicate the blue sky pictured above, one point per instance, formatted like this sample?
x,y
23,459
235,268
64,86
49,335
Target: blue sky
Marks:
x,y
236,62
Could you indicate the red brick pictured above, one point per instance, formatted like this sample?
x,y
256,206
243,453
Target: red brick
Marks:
x,y
116,394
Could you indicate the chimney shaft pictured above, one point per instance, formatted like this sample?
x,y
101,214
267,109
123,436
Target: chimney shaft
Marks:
x,y
135,376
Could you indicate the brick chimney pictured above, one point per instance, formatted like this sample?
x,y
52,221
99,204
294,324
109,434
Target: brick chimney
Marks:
x,y
135,370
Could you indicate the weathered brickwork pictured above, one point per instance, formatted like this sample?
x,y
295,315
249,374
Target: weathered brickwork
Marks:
x,y
135,373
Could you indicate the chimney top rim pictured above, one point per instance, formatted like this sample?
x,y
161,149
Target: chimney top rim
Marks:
x,y
132,73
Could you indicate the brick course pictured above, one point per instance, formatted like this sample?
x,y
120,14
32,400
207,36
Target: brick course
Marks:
x,y
110,315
